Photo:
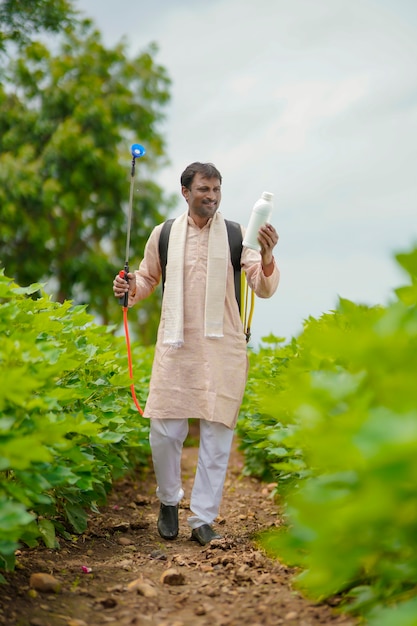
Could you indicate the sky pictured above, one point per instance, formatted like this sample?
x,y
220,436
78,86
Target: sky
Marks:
x,y
312,100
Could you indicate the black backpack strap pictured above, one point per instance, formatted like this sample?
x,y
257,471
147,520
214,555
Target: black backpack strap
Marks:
x,y
234,234
163,248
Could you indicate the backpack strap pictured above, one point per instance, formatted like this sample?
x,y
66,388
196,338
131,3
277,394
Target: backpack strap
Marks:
x,y
234,234
163,248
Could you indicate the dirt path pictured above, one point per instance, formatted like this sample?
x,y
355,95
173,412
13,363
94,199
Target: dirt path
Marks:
x,y
114,574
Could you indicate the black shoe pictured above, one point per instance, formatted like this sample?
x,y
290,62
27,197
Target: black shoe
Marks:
x,y
204,534
168,521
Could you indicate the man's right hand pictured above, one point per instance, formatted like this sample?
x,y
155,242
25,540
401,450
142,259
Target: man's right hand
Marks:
x,y
121,286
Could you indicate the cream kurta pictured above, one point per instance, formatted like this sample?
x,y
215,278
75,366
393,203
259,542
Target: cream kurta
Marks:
x,y
206,377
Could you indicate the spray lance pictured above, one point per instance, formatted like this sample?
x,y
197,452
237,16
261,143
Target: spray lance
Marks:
x,y
137,151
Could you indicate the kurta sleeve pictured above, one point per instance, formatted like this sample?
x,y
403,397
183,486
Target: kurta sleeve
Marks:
x,y
263,286
149,272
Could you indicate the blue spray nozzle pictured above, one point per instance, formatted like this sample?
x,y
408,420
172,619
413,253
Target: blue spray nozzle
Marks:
x,y
137,151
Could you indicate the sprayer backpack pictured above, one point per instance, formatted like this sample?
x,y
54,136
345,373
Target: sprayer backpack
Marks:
x,y
234,235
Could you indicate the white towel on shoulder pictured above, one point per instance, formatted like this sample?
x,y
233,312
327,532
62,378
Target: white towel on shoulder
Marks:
x,y
217,263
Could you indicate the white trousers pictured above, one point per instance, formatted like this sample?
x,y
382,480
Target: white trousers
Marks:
x,y
167,437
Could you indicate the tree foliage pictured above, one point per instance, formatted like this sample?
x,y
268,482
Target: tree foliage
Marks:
x,y
67,120
20,19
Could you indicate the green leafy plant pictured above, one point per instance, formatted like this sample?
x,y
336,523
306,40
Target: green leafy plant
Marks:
x,y
340,431
68,426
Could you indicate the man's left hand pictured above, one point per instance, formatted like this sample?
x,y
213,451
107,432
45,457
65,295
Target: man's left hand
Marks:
x,y
268,239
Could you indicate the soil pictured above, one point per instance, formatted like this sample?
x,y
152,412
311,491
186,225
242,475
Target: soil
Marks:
x,y
121,572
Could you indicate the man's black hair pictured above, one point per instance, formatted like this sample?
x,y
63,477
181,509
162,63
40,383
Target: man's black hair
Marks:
x,y
208,170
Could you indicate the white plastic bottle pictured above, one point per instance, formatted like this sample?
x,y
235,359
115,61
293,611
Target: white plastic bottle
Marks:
x,y
261,214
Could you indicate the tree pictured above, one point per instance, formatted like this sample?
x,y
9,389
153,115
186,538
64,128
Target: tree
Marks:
x,y
67,120
20,19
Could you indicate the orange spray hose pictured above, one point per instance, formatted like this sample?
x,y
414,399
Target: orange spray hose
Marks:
x,y
129,359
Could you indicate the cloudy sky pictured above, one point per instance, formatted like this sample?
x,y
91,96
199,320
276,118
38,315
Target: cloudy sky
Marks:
x,y
313,100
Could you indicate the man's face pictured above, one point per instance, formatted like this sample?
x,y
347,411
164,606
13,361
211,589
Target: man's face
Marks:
x,y
204,196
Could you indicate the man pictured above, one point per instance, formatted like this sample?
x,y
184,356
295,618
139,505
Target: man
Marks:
x,y
200,364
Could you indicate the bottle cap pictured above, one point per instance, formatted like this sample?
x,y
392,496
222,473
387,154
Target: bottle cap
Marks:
x,y
266,195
